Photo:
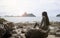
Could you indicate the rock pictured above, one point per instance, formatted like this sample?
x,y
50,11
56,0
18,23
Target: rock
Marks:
x,y
35,34
28,15
58,15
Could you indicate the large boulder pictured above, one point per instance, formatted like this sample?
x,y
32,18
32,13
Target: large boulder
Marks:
x,y
2,20
2,30
35,33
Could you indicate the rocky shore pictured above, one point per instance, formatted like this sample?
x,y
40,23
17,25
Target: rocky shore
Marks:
x,y
17,30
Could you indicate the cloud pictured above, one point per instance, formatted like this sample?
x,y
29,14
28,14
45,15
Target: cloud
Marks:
x,y
18,7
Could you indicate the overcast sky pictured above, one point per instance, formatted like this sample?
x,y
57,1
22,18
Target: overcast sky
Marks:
x,y
18,7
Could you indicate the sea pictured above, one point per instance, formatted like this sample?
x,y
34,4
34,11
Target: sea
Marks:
x,y
30,19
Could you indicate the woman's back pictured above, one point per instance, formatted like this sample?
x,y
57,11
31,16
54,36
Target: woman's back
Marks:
x,y
44,24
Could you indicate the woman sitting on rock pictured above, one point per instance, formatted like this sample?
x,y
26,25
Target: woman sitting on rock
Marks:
x,y
43,30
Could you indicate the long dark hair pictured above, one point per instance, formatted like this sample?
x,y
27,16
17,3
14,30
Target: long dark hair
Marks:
x,y
46,16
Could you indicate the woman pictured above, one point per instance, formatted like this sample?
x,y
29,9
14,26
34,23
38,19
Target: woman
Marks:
x,y
44,23
44,27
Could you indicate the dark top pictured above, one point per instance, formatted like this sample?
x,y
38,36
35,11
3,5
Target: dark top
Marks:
x,y
44,25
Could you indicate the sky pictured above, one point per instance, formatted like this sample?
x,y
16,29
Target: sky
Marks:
x,y
19,7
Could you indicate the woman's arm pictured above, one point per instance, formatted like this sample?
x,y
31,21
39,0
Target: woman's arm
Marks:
x,y
35,25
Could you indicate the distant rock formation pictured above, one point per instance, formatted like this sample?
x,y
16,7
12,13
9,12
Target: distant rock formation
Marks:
x,y
28,15
58,15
